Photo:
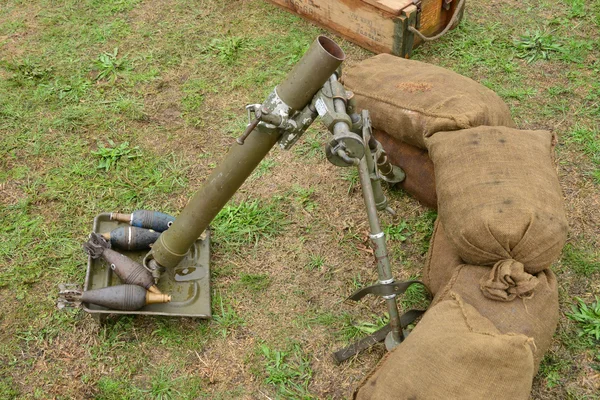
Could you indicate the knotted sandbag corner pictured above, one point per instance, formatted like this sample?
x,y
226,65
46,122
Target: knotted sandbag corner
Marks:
x,y
498,195
512,299
411,100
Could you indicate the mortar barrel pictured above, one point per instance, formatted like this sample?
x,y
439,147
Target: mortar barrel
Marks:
x,y
297,90
321,60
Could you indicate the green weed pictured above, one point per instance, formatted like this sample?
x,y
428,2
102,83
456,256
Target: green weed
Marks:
x,y
289,371
552,368
265,166
110,65
115,389
416,296
356,282
577,50
315,262
8,389
109,156
28,71
595,174
577,9
192,101
163,385
588,140
167,332
72,118
397,232
350,175
227,319
227,49
588,317
310,146
304,197
72,90
536,45
422,228
352,330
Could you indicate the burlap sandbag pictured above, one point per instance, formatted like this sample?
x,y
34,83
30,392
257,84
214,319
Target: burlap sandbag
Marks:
x,y
453,353
513,300
412,100
499,196
533,314
442,260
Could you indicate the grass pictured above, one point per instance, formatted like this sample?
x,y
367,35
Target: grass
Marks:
x,y
315,262
155,91
582,261
536,45
110,155
247,222
226,317
254,282
227,50
587,317
289,371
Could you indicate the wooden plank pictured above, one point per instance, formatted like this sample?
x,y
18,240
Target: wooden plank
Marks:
x,y
433,17
370,23
360,22
392,6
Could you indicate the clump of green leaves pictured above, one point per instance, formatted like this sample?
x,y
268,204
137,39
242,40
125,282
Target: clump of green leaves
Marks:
x,y
398,232
588,317
110,155
28,70
227,49
289,371
577,8
536,45
315,262
109,65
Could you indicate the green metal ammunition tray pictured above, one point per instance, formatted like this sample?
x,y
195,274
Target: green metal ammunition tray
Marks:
x,y
188,283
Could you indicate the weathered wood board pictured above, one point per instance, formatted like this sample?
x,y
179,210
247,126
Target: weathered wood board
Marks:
x,y
370,23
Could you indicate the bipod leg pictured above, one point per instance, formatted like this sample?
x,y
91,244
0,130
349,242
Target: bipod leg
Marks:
x,y
387,288
376,337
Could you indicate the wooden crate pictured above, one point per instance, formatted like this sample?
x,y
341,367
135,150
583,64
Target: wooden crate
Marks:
x,y
377,25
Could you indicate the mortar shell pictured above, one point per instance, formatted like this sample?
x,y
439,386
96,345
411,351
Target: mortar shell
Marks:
x,y
129,271
154,220
122,297
131,238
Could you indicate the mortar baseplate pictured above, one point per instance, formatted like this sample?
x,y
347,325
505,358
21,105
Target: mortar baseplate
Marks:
x,y
188,283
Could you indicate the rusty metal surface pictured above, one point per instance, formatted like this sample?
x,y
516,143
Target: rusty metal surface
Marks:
x,y
420,177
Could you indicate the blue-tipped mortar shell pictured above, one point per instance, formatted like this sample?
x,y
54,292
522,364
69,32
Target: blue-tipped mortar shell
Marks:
x,y
154,220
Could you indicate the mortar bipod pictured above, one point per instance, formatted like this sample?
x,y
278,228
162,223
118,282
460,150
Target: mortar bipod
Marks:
x,y
393,333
